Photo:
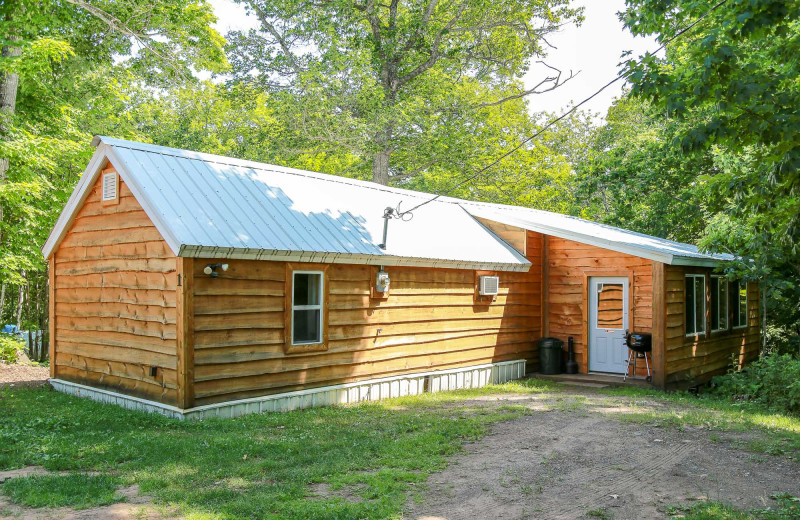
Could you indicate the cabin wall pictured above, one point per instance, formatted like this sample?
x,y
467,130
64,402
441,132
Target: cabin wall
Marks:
x,y
113,314
696,359
429,321
569,265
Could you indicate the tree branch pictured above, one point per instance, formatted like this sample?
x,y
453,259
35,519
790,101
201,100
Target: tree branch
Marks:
x,y
555,80
115,24
435,52
270,27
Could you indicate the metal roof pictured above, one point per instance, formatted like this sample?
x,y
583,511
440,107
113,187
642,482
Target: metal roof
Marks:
x,y
211,206
219,207
596,234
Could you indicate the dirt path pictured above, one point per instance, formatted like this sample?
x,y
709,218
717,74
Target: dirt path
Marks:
x,y
22,375
578,462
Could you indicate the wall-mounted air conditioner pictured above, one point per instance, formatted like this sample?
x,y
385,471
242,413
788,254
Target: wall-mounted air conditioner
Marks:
x,y
489,285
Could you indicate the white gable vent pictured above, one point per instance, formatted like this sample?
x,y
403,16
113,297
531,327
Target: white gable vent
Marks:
x,y
110,186
489,285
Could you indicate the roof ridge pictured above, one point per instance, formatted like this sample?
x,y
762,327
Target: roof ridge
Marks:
x,y
257,165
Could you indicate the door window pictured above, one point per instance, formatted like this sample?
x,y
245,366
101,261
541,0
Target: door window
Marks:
x,y
610,311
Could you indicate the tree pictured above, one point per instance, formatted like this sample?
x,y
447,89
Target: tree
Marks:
x,y
636,179
65,71
371,77
734,78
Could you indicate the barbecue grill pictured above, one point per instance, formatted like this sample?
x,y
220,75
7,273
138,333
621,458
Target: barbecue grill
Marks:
x,y
640,344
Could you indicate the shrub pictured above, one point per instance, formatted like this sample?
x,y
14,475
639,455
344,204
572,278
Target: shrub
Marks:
x,y
772,381
10,347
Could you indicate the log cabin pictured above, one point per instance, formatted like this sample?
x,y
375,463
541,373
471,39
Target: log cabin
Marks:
x,y
196,285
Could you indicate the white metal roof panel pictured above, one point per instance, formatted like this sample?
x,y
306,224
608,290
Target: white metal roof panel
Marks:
x,y
595,233
212,206
220,207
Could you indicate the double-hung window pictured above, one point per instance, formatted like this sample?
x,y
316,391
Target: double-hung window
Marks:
x,y
719,303
740,304
307,308
695,304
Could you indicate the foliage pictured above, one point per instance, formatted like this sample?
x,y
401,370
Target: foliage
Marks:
x,y
634,179
77,64
772,381
738,68
409,78
76,490
10,347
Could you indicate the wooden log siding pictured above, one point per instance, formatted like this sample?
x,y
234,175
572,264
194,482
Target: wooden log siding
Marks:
x,y
429,321
569,265
696,359
114,300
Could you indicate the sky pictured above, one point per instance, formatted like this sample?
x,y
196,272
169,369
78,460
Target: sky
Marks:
x,y
591,51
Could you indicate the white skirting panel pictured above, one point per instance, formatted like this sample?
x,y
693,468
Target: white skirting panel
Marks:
x,y
370,390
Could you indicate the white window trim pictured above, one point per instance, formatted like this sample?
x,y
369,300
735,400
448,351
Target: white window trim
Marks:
x,y
720,278
703,333
310,307
738,302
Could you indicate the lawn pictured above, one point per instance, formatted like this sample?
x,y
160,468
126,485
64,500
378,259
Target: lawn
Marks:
x,y
256,466
274,465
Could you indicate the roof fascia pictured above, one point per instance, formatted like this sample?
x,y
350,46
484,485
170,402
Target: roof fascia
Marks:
x,y
699,262
342,258
76,200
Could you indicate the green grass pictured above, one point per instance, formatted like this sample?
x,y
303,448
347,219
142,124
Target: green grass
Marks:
x,y
260,466
786,507
778,433
600,513
371,457
76,490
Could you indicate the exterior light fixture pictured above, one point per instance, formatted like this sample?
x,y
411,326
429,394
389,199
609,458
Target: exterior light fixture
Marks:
x,y
211,269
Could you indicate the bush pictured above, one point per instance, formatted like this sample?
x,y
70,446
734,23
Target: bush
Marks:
x,y
772,381
10,347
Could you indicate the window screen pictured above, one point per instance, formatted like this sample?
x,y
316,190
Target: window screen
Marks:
x,y
719,303
740,304
695,304
306,307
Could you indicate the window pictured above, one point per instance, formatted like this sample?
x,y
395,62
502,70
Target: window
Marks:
x,y
740,304
610,303
719,303
307,307
695,304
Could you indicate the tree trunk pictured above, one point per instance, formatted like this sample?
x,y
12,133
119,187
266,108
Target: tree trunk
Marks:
x,y
19,306
763,316
8,104
380,161
2,303
9,82
380,167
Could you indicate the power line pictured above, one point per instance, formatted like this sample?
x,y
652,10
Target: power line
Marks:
x,y
621,75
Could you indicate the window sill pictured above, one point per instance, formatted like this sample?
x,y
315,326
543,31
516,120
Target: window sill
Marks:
x,y
304,348
696,335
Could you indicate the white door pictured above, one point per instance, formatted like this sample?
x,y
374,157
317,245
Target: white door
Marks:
x,y
608,322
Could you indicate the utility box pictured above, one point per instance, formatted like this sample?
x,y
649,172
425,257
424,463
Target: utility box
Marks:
x,y
382,282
